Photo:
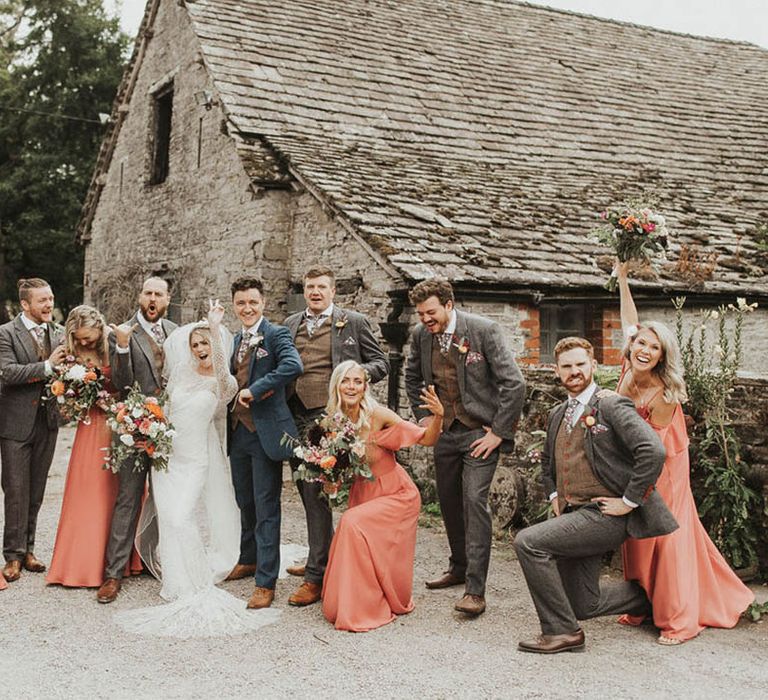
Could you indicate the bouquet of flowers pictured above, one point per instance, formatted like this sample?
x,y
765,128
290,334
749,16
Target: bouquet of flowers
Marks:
x,y
77,388
141,428
634,233
332,454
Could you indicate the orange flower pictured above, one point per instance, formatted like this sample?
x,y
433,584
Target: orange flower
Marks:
x,y
120,417
156,410
150,449
628,222
58,388
328,462
90,376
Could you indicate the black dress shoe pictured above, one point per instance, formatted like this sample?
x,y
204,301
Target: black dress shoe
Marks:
x,y
447,580
554,643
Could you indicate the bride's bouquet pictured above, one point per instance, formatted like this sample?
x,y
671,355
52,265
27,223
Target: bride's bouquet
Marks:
x,y
634,233
332,454
77,388
141,428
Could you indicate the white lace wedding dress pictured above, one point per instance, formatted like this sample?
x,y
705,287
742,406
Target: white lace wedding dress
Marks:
x,y
188,563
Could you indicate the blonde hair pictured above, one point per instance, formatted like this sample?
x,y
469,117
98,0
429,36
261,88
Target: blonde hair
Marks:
x,y
85,316
202,329
368,404
669,368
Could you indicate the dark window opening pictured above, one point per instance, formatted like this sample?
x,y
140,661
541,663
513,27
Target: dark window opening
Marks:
x,y
559,321
161,146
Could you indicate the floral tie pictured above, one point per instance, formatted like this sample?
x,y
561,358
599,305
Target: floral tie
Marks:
x,y
242,351
38,333
313,322
157,333
568,416
445,342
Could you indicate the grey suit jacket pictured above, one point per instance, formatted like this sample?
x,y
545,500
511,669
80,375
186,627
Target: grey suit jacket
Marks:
x,y
626,456
138,364
491,385
22,380
354,340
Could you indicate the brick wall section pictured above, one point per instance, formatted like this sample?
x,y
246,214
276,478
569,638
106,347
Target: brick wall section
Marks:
x,y
531,327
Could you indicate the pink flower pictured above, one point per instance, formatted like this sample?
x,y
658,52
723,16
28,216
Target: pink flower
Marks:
x,y
649,227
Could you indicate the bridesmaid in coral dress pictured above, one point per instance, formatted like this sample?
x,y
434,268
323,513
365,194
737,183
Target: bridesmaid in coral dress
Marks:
x,y
90,490
369,578
688,582
3,583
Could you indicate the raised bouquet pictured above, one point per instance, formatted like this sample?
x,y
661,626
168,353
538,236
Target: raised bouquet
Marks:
x,y
77,388
332,454
141,428
634,232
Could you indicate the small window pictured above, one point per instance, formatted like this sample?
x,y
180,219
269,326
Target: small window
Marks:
x,y
557,322
161,145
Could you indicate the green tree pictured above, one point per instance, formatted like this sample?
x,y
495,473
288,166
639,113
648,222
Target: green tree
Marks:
x,y
59,68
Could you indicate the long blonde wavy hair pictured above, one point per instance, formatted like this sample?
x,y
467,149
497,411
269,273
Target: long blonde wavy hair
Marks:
x,y
367,405
669,368
85,316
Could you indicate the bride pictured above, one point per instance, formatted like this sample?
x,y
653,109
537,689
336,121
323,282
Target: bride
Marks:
x,y
199,389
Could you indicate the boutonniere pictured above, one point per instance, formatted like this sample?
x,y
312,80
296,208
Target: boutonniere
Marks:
x,y
343,321
462,345
589,422
254,340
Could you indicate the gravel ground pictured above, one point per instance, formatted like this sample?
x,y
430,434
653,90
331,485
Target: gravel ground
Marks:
x,y
59,643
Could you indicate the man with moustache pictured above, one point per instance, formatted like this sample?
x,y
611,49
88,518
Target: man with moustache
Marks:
x,y
325,335
474,373
599,465
29,349
136,356
264,362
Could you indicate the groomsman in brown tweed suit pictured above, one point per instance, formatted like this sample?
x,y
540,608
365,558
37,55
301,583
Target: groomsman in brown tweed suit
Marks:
x,y
29,349
325,335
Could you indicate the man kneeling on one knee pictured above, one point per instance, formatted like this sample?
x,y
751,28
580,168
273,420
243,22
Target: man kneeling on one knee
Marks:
x,y
599,464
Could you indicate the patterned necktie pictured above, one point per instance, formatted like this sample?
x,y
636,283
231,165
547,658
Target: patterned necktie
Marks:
x,y
158,334
242,351
445,342
570,411
313,322
38,333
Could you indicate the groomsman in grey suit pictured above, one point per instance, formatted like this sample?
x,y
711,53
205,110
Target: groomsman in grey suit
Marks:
x,y
325,335
599,466
29,349
136,356
474,373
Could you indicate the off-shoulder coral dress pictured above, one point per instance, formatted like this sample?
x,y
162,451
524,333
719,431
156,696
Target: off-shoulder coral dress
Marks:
x,y
369,579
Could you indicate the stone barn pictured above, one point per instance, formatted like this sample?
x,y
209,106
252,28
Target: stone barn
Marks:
x,y
476,139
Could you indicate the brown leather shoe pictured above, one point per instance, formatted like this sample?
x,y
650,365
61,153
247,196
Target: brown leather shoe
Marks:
x,y
554,643
32,563
261,598
296,570
12,570
445,581
471,605
108,590
241,571
306,594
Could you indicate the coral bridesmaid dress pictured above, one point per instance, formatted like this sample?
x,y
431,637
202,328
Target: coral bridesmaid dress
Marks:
x,y
688,582
86,509
369,578
3,582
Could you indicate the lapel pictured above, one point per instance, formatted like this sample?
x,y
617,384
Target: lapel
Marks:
x,y
337,315
590,448
238,338
554,426
293,324
56,334
142,340
425,340
26,340
461,331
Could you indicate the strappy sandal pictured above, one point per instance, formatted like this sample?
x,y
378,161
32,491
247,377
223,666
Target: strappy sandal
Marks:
x,y
668,641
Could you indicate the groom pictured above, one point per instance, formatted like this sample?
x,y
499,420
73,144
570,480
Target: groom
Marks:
x,y
599,465
29,349
264,362
136,356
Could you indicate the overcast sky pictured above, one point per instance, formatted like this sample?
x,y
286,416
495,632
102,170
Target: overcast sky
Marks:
x,y
743,20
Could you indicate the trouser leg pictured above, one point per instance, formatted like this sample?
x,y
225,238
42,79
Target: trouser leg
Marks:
x,y
16,465
43,447
448,467
242,480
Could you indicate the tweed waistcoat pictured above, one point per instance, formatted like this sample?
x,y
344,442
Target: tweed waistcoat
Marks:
x,y
446,379
315,352
240,413
158,355
576,481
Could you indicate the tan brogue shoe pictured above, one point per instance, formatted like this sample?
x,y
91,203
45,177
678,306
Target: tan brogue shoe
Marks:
x,y
306,594
297,570
108,590
445,581
261,598
12,570
471,605
32,563
241,571
554,643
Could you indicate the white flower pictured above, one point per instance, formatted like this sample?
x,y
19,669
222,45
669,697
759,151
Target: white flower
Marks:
x,y
170,433
137,412
76,373
127,440
154,429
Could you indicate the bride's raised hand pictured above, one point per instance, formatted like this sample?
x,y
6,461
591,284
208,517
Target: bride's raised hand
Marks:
x,y
215,313
621,269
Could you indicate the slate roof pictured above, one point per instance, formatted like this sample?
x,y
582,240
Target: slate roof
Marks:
x,y
478,138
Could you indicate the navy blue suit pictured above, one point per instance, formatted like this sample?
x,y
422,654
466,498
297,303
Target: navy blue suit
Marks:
x,y
256,457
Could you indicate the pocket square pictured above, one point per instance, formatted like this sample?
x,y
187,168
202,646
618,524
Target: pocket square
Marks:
x,y
474,357
598,428
350,341
261,352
